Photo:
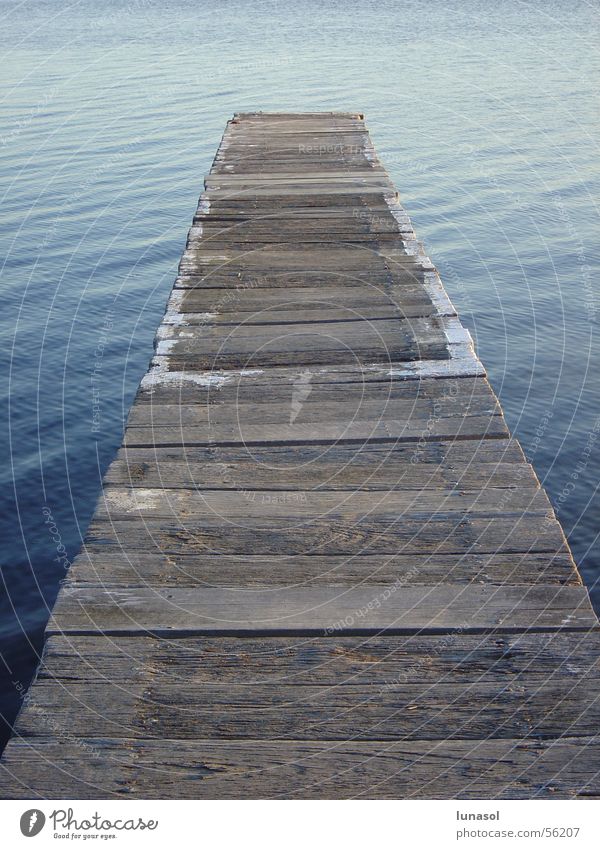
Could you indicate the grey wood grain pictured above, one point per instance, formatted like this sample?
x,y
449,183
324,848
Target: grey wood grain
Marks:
x,y
456,686
119,503
183,709
97,767
517,534
111,566
319,610
257,470
302,407
324,432
381,661
345,384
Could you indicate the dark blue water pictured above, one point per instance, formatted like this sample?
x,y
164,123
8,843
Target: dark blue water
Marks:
x,y
486,114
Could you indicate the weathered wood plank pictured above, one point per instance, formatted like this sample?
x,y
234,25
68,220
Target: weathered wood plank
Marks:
x,y
521,707
120,503
298,432
349,384
320,610
333,215
302,407
111,566
96,767
445,455
310,344
351,301
518,534
417,687
383,661
375,256
341,467
228,274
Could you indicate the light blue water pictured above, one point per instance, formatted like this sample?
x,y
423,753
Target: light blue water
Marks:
x,y
486,115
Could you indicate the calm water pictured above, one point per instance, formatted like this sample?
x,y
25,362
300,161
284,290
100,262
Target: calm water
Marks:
x,y
487,117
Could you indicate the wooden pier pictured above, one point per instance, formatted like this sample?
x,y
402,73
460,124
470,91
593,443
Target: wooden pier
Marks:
x,y
320,566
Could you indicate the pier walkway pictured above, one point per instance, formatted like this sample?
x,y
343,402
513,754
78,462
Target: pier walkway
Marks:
x,y
320,566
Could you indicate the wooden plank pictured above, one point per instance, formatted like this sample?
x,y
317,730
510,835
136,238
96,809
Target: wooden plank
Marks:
x,y
286,225
399,460
341,467
231,274
457,410
467,427
335,661
334,255
368,176
299,189
310,344
233,238
327,522
518,534
297,311
260,299
120,503
333,215
308,408
96,767
320,610
111,566
383,690
349,383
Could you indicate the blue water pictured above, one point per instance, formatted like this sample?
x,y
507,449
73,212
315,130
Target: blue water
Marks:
x,y
486,115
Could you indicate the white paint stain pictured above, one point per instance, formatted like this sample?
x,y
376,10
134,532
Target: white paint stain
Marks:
x,y
437,293
159,375
132,500
173,314
203,205
195,232
165,346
